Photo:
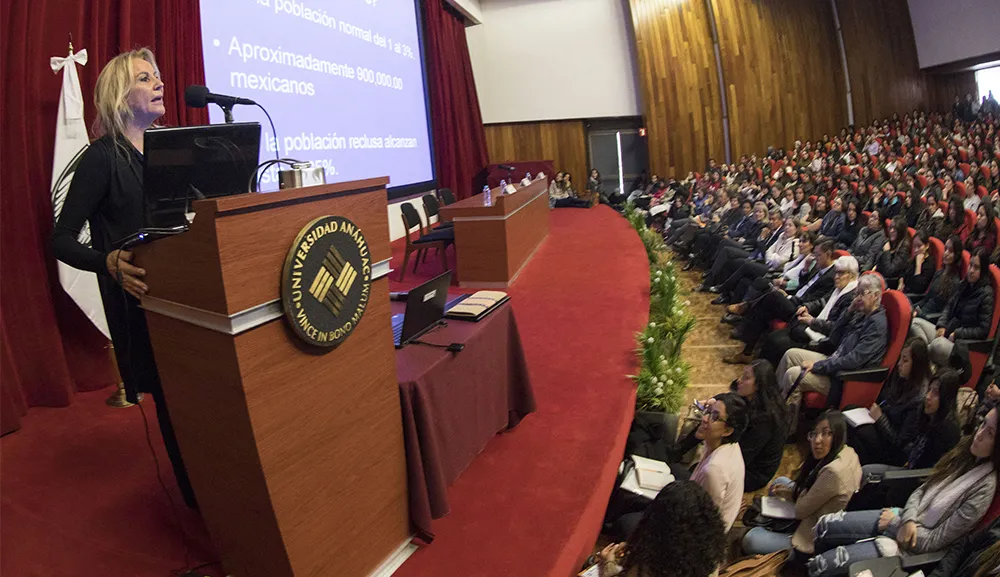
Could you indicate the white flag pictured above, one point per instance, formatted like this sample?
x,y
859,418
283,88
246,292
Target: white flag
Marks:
x,y
71,141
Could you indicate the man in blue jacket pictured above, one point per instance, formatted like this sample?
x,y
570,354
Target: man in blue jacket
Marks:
x,y
860,340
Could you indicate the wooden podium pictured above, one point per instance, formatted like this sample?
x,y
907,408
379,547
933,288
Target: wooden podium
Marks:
x,y
296,455
494,241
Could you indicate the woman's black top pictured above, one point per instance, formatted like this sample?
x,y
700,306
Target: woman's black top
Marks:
x,y
938,295
931,442
897,427
107,192
969,313
762,445
915,283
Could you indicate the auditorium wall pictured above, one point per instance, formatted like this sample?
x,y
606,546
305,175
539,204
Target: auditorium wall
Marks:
x,y
562,141
782,71
546,60
882,56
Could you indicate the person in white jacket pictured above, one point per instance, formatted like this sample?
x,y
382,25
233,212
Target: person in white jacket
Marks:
x,y
774,258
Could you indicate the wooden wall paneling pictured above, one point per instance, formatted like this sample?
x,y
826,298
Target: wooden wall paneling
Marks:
x,y
882,59
681,101
944,88
782,69
562,141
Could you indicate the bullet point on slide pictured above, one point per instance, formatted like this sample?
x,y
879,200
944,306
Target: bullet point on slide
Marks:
x,y
216,43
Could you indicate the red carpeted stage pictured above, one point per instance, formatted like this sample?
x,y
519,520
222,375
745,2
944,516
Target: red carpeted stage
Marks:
x,y
80,495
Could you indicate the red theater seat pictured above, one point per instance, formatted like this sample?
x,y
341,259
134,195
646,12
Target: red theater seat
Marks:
x,y
980,350
936,251
862,387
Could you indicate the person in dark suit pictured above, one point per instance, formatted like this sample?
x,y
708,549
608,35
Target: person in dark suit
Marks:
x,y
806,329
730,258
107,193
776,304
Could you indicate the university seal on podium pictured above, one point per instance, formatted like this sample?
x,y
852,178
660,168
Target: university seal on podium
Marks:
x,y
326,281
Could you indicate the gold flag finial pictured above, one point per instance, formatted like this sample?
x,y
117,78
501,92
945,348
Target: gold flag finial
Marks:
x,y
70,43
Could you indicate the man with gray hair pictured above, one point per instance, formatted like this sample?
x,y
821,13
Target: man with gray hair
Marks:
x,y
857,340
811,330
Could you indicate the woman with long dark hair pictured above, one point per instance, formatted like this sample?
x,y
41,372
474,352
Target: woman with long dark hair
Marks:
x,y
944,284
931,216
920,269
825,482
969,313
954,222
763,442
942,510
852,224
920,442
896,411
984,233
895,256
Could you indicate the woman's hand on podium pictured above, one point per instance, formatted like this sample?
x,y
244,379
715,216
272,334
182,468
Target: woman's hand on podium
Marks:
x,y
119,263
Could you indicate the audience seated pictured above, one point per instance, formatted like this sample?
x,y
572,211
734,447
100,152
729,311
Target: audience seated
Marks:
x,y
807,331
919,267
815,287
729,259
897,412
762,443
833,221
856,341
984,234
562,194
969,312
707,245
917,441
895,256
680,534
780,250
828,477
944,284
941,511
870,242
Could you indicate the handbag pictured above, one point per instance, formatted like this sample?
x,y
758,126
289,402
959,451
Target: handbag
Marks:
x,y
756,565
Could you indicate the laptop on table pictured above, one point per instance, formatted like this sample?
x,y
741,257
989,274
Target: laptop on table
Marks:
x,y
424,310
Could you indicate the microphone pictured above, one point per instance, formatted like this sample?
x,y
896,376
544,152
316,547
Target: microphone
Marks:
x,y
197,96
506,167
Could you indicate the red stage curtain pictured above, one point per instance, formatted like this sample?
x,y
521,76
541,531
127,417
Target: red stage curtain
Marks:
x,y
49,349
459,137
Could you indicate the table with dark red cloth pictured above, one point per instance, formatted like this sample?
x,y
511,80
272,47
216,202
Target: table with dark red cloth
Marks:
x,y
454,403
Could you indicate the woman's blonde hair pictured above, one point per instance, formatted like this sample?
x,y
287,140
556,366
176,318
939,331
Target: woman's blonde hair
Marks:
x,y
111,93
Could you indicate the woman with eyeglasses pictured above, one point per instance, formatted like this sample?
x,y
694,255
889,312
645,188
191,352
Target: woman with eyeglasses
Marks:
x,y
721,470
828,477
942,510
